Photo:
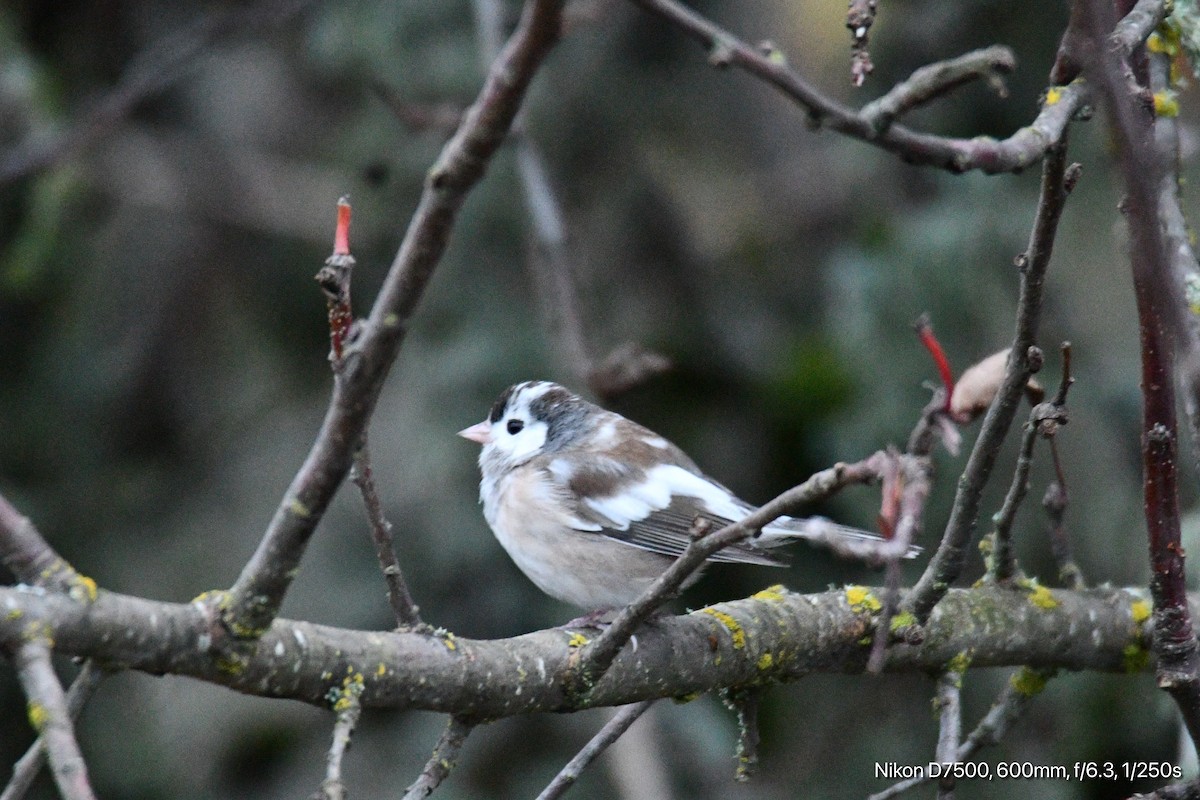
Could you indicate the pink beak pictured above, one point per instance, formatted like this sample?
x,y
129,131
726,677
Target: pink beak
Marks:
x,y
480,432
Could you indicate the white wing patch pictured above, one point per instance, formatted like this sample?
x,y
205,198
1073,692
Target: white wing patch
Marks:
x,y
638,501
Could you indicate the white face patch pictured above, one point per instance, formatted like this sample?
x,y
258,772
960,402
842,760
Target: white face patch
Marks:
x,y
516,438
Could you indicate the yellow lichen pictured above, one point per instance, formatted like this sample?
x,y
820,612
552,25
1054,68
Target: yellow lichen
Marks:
x,y
1165,104
204,598
1140,609
448,640
38,715
39,631
381,670
1041,597
904,619
771,593
83,589
298,509
231,664
1028,682
736,632
1054,95
960,662
1165,40
16,613
1134,657
686,698
352,687
861,599
765,662
244,631
577,640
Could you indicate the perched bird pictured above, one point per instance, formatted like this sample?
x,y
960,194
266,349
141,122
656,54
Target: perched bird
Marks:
x,y
593,507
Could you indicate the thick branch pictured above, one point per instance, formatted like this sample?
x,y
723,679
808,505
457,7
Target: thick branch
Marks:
x,y
774,636
259,590
1160,327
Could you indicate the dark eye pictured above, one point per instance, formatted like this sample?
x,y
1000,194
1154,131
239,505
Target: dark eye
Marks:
x,y
515,426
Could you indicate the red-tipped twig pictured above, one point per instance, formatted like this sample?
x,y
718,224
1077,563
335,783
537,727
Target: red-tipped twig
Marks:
x,y
334,279
924,329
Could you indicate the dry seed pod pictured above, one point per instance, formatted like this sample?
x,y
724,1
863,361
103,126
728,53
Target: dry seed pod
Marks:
x,y
978,386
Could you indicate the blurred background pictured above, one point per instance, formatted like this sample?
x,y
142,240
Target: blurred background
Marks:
x,y
163,352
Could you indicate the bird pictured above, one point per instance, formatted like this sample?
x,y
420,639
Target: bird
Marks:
x,y
593,507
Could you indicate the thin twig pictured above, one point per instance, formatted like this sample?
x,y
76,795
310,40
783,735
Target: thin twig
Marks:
x,y
1022,149
1056,499
150,72
948,702
439,117
612,730
443,759
910,482
745,702
1004,559
859,18
935,80
334,279
26,770
1161,327
406,611
255,598
51,717
27,554
348,713
1022,687
947,562
552,266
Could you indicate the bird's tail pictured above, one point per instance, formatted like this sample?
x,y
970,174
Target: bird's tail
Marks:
x,y
839,538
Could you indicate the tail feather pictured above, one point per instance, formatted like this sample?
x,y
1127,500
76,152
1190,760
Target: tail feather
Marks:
x,y
839,538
